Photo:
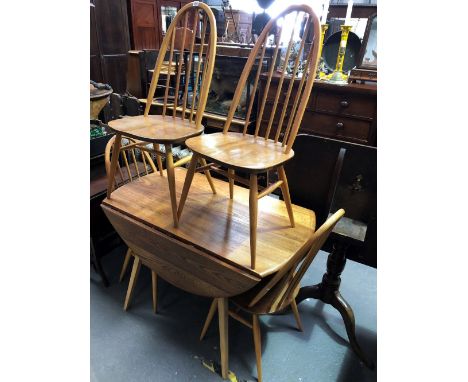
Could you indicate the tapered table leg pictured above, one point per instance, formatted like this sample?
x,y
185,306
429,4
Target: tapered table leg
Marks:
x,y
328,291
223,335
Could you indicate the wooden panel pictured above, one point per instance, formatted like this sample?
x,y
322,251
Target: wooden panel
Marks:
x,y
115,70
214,223
346,104
110,42
95,59
145,24
112,26
337,127
94,45
136,83
95,69
180,264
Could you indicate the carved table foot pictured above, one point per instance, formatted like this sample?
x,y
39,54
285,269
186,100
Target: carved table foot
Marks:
x,y
328,292
96,263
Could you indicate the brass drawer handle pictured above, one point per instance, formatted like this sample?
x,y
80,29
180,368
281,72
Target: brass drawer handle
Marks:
x,y
344,103
339,125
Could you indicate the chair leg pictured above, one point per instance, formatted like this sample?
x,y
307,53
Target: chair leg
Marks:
x,y
128,256
114,162
171,181
209,318
231,174
253,211
154,284
150,161
208,176
158,159
296,315
132,282
187,183
258,346
285,192
223,316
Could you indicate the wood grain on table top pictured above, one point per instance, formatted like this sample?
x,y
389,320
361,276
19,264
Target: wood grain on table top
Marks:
x,y
214,223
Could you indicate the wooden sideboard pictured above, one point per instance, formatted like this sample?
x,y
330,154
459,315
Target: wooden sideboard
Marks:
x,y
347,113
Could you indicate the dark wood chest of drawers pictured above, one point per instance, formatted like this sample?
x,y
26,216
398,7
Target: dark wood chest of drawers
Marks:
x,y
347,113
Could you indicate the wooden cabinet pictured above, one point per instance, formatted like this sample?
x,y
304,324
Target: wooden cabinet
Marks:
x,y
145,24
150,19
347,113
110,42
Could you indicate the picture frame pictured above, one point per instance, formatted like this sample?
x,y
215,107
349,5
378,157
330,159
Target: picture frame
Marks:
x,y
366,68
368,55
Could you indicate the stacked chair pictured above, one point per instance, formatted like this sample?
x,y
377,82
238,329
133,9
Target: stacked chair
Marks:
x,y
181,117
251,152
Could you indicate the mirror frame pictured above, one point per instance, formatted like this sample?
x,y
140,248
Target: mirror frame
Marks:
x,y
365,41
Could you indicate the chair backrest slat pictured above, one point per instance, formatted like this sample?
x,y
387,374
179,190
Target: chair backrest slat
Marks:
x,y
189,69
280,83
168,75
267,86
292,272
200,60
181,63
180,43
301,77
291,84
254,89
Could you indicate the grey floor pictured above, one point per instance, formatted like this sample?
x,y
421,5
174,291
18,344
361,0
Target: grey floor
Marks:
x,y
138,345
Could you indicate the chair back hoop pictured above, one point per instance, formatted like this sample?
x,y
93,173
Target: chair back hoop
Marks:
x,y
299,101
127,161
290,275
200,17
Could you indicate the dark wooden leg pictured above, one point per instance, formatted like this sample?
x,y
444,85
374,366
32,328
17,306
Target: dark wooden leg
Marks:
x,y
328,291
98,266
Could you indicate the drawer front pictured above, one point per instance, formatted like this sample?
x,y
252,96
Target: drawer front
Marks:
x,y
337,127
346,104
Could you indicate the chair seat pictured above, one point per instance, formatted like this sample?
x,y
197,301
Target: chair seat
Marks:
x,y
241,152
156,128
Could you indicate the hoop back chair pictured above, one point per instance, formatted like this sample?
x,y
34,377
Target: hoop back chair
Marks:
x,y
257,153
180,119
279,291
129,174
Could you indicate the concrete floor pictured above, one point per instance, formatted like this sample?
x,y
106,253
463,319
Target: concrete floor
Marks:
x,y
138,345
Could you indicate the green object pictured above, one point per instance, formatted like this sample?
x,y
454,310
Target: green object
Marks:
x,y
96,131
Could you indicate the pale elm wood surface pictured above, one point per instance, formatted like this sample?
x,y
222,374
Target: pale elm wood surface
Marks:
x,y
215,224
180,264
239,151
156,128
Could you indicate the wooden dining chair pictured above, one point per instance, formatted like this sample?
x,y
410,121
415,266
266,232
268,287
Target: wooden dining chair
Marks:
x,y
187,103
278,291
254,154
132,169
